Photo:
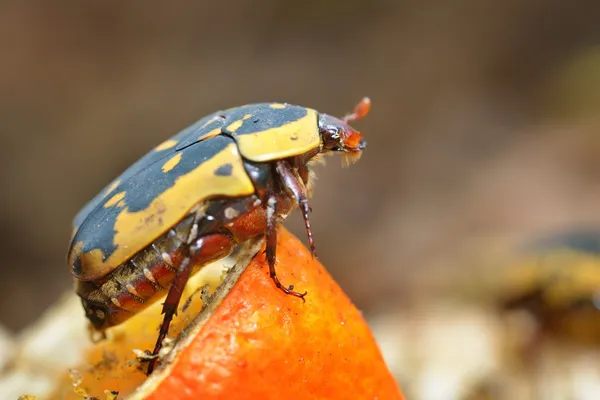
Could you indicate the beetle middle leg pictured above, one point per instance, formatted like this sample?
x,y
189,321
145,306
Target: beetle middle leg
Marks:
x,y
198,251
271,248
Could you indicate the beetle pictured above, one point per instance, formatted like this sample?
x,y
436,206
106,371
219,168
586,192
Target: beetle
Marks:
x,y
557,281
229,177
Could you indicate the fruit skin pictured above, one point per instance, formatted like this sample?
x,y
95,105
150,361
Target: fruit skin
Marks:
x,y
262,344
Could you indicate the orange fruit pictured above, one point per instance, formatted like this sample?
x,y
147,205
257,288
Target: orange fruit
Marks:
x,y
256,343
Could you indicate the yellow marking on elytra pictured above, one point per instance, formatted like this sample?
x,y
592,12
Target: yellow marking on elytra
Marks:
x,y
171,163
135,229
167,144
288,140
213,133
235,125
114,200
580,281
112,187
92,262
121,204
277,106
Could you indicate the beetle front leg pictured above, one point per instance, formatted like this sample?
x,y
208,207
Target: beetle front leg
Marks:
x,y
271,248
200,252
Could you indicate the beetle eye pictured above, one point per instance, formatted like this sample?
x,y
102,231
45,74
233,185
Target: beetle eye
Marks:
x,y
331,139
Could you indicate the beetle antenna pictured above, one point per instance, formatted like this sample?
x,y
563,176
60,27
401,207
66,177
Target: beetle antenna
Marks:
x,y
360,111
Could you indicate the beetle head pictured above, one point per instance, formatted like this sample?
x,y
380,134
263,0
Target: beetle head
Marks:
x,y
338,136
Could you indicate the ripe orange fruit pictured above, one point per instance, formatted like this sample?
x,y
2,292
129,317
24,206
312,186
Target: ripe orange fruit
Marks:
x,y
259,343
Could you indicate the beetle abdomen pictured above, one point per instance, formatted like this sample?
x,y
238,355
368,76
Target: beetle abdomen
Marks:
x,y
145,277
135,284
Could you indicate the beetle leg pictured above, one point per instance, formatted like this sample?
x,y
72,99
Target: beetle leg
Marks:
x,y
271,248
295,187
199,252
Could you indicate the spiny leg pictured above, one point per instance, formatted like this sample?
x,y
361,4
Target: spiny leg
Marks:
x,y
294,186
170,305
271,248
197,252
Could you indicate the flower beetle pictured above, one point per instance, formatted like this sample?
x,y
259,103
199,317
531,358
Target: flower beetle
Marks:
x,y
231,176
557,281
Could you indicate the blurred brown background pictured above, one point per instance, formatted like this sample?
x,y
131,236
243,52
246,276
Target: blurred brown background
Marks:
x,y
481,132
